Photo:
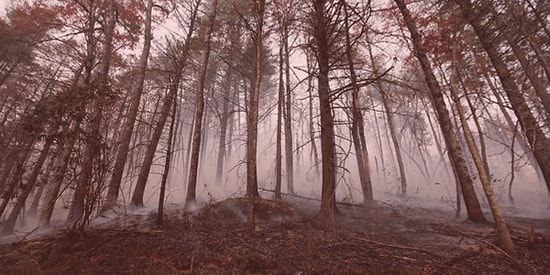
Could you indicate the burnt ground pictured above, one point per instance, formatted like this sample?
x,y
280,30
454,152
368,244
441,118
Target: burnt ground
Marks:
x,y
376,239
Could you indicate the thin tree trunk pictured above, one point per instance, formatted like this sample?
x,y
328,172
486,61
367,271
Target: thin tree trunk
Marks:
x,y
503,233
278,154
454,149
357,129
190,200
314,152
167,163
252,125
288,115
120,161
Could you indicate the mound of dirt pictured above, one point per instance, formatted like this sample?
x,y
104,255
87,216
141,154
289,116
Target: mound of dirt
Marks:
x,y
234,210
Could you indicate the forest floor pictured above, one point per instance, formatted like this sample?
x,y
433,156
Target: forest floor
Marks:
x,y
375,239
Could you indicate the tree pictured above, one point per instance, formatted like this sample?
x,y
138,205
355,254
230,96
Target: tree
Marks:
x,y
190,200
537,139
135,98
454,149
357,129
79,213
321,24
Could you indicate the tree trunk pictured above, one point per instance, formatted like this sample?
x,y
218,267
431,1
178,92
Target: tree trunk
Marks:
x,y
10,222
167,163
278,154
357,129
120,161
57,179
77,209
454,150
190,200
314,152
503,233
288,115
328,148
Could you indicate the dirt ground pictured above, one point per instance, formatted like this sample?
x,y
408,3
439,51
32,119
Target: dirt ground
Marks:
x,y
376,239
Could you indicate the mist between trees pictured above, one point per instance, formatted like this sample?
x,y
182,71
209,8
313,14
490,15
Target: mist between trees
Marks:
x,y
105,105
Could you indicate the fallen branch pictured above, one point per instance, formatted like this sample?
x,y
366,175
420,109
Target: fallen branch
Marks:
x,y
314,199
399,247
494,247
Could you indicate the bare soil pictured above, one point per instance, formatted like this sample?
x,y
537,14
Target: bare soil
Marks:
x,y
373,239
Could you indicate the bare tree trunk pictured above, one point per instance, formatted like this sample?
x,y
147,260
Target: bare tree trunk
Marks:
x,y
314,152
167,164
199,111
44,181
278,154
357,129
120,161
321,26
252,129
454,149
288,115
391,124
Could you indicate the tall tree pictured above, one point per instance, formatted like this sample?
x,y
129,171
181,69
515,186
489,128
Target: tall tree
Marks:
x,y
357,129
78,213
453,146
190,200
538,141
257,32
135,98
321,24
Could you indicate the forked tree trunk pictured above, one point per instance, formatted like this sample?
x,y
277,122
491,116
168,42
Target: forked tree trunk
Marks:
x,y
454,150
